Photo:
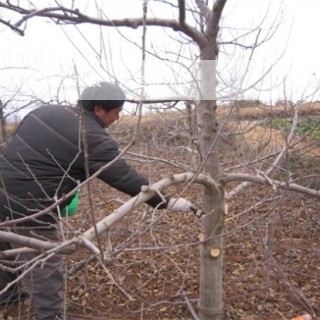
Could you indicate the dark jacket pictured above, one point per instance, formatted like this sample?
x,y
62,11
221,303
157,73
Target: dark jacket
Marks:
x,y
45,158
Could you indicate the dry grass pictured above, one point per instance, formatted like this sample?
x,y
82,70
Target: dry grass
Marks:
x,y
162,128
261,111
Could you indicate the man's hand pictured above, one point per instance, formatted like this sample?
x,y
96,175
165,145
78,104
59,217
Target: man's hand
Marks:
x,y
184,205
179,204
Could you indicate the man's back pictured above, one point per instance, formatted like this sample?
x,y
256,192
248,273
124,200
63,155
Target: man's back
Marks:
x,y
42,159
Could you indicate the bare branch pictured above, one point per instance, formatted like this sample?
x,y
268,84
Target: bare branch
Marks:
x,y
182,12
214,19
26,241
75,17
13,27
163,99
144,196
192,311
271,182
280,156
85,238
204,9
66,247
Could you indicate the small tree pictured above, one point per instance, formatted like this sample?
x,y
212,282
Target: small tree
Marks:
x,y
206,37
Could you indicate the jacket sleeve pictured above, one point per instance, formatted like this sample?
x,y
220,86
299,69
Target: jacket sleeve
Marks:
x,y
120,174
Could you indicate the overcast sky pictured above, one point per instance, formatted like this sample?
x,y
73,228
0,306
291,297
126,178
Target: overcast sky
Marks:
x,y
38,61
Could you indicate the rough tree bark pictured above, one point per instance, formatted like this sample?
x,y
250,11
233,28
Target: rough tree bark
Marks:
x,y
211,251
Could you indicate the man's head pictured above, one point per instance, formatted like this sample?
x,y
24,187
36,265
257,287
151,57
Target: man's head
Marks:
x,y
105,100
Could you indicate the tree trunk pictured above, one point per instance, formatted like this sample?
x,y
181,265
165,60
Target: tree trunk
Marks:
x,y
211,251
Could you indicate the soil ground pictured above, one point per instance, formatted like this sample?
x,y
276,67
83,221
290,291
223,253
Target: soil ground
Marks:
x,y
272,244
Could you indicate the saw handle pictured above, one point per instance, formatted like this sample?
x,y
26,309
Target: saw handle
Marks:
x,y
197,211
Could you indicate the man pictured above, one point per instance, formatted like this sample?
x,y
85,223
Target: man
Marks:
x,y
45,159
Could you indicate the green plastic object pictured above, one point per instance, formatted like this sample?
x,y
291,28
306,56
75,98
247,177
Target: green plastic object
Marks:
x,y
72,208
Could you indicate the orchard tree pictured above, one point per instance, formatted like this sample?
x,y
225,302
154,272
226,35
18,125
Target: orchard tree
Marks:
x,y
197,22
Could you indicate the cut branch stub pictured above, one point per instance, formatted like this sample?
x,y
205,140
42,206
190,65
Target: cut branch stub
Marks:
x,y
215,252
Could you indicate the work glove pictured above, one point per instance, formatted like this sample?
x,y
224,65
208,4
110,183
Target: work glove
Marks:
x,y
184,205
179,204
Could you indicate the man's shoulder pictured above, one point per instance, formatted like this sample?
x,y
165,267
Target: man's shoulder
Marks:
x,y
56,108
51,111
